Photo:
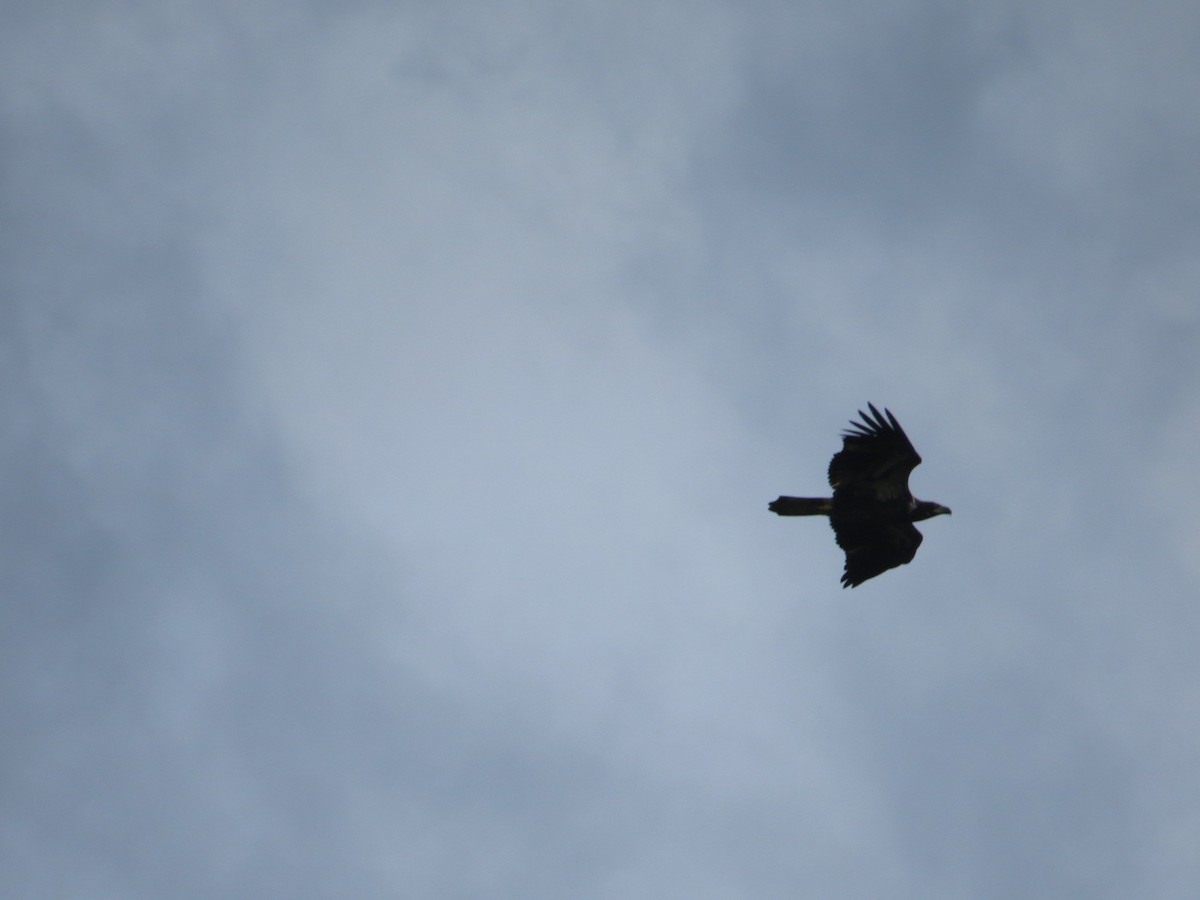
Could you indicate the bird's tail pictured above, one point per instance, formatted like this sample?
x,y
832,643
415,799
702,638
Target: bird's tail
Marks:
x,y
801,506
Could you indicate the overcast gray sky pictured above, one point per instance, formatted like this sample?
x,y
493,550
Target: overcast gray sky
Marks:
x,y
393,393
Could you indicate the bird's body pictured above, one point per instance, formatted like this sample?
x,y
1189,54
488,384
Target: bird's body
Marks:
x,y
872,509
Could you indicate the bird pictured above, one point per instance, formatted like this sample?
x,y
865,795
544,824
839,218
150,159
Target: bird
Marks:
x,y
872,510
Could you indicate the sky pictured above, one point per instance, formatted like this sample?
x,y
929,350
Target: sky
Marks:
x,y
393,393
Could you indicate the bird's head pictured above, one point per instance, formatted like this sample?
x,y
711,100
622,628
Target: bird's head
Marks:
x,y
925,509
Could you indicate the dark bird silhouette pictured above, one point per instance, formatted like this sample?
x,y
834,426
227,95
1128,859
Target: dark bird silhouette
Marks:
x,y
872,509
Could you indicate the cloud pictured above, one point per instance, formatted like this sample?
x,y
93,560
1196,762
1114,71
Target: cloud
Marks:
x,y
395,396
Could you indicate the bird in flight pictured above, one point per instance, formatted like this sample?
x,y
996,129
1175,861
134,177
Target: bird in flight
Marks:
x,y
872,509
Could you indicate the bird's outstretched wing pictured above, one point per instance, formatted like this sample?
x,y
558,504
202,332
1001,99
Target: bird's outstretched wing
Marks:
x,y
876,459
872,550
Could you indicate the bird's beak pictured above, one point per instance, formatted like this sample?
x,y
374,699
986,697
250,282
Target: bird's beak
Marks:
x,y
944,509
